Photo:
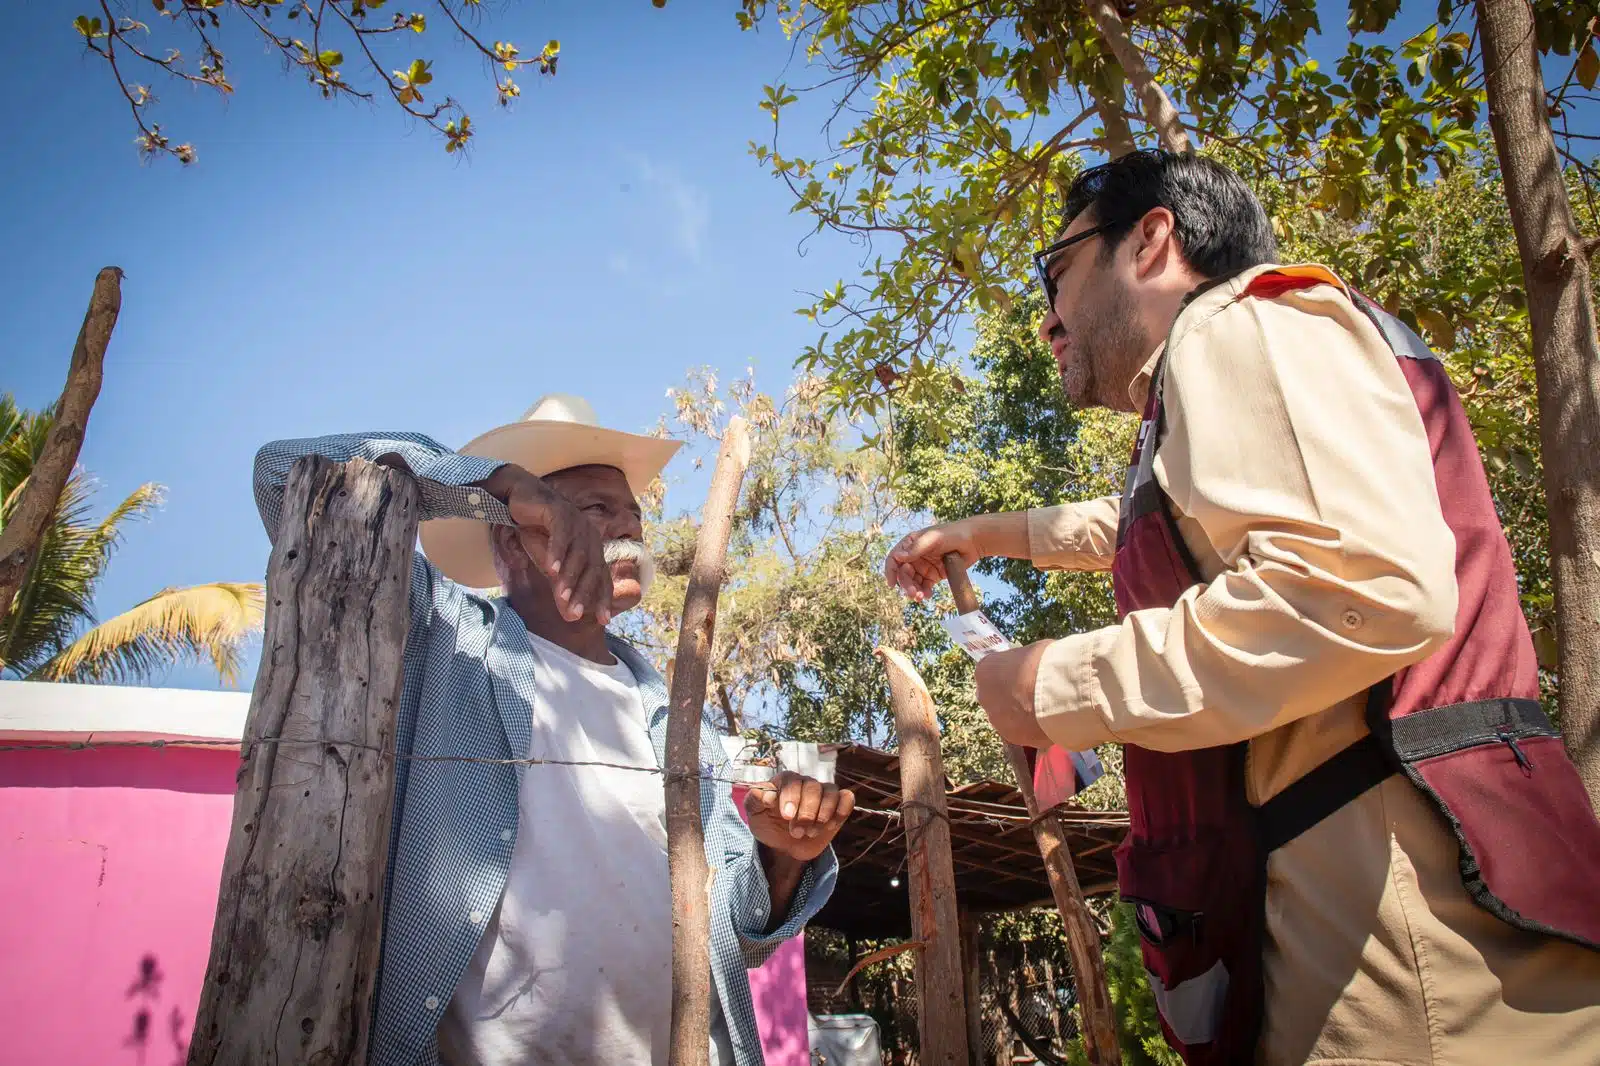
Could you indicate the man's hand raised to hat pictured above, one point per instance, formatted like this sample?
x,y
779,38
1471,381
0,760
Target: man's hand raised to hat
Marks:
x,y
562,543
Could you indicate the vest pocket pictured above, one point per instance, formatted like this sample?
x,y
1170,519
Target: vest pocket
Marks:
x,y
1183,908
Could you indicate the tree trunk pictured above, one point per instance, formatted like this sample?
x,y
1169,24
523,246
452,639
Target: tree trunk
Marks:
x,y
1555,271
1157,106
972,980
930,869
686,839
294,951
1083,939
19,539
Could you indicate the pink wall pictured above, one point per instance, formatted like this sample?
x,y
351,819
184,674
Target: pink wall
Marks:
x,y
108,880
779,991
109,862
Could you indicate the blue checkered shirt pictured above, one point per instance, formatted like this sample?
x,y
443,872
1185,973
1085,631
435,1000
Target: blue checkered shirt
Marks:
x,y
469,692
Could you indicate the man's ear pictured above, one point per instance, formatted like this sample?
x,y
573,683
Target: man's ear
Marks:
x,y
509,554
1157,233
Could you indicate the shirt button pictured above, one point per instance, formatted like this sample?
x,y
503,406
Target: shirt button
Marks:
x,y
476,917
478,513
1351,619
431,1003
474,499
505,834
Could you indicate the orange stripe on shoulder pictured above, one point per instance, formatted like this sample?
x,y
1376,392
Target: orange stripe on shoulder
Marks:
x,y
1274,283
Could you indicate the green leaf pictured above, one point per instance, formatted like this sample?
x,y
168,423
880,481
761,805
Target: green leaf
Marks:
x,y
419,74
1439,328
330,59
1588,68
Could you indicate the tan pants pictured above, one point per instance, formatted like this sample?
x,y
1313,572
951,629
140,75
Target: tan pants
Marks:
x,y
1377,956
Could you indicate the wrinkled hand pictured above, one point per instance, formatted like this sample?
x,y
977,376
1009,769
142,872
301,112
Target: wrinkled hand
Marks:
x,y
560,540
916,564
1006,682
797,816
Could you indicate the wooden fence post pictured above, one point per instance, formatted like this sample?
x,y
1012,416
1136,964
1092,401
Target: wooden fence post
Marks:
x,y
294,952
930,869
1099,1028
686,839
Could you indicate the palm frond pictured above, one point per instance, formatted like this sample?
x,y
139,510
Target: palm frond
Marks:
x,y
209,621
57,595
104,538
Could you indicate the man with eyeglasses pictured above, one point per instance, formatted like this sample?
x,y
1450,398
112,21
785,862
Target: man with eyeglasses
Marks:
x,y
1355,837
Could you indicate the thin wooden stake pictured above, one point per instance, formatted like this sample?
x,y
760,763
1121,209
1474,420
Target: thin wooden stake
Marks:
x,y
1083,940
294,951
930,869
686,842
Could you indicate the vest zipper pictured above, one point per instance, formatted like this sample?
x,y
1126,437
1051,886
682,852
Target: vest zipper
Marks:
x,y
1516,750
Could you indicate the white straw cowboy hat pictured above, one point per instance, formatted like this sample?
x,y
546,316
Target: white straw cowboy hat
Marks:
x,y
558,432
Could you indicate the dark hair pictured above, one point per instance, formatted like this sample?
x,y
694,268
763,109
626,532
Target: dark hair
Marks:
x,y
1220,223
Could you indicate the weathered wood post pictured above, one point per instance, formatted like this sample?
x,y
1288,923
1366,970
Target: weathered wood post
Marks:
x,y
294,952
686,839
930,869
1083,939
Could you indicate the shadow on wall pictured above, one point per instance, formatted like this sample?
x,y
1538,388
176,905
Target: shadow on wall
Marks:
x,y
145,994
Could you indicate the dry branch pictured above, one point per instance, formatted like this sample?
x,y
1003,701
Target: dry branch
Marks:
x,y
686,842
19,539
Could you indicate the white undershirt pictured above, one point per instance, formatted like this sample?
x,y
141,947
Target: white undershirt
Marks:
x,y
575,968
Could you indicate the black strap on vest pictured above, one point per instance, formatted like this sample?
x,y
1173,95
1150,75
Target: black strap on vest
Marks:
x,y
1420,735
1324,790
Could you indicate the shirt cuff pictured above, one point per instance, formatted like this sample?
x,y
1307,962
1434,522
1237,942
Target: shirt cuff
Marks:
x,y
1073,536
448,483
1068,701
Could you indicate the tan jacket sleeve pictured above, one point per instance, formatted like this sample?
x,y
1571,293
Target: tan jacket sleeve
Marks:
x,y
1074,536
1294,447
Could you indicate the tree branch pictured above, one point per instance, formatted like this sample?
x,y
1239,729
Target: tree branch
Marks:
x,y
19,540
1158,109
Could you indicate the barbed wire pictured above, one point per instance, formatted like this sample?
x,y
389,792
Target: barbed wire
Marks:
x,y
705,773
957,805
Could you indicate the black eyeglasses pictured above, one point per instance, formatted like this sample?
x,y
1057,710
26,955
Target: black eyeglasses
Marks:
x,y
1045,256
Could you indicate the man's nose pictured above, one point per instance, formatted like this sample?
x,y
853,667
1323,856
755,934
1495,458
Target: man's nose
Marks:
x,y
1048,325
626,527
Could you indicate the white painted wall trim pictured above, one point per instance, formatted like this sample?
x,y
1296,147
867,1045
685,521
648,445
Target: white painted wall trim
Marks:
x,y
38,712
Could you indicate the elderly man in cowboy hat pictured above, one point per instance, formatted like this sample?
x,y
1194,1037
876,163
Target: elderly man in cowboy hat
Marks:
x,y
528,917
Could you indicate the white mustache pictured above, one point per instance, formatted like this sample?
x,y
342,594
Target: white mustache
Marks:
x,y
634,551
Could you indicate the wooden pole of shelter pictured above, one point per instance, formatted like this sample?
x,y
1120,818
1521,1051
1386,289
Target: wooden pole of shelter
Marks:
x,y
1083,939
686,841
972,978
41,496
294,951
930,869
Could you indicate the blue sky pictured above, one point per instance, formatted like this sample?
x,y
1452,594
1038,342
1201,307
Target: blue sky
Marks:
x,y
327,267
